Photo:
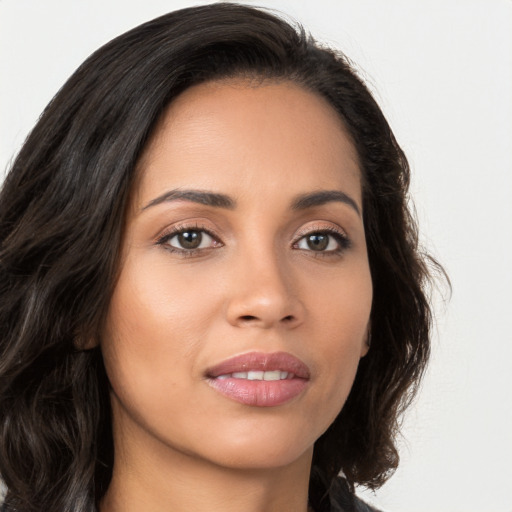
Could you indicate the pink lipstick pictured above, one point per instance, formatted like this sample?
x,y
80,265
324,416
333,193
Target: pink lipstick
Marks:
x,y
259,379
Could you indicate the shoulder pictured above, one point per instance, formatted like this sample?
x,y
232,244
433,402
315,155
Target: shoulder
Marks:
x,y
342,500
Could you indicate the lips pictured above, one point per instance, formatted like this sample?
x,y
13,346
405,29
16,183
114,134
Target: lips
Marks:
x,y
260,379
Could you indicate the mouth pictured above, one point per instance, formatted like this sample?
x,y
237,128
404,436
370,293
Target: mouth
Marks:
x,y
260,379
258,375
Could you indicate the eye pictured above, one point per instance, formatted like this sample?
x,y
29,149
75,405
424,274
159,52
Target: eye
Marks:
x,y
189,240
323,241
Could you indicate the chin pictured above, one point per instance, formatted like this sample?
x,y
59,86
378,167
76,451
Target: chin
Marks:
x,y
258,457
260,446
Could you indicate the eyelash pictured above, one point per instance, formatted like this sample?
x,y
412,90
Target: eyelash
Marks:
x,y
178,230
339,236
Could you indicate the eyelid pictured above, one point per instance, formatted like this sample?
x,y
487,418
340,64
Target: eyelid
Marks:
x,y
337,232
319,227
330,229
179,228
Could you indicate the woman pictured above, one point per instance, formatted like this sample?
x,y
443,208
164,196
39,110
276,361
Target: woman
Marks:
x,y
211,290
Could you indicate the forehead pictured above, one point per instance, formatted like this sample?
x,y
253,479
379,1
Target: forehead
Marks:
x,y
238,133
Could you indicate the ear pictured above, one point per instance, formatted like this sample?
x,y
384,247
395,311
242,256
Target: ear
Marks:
x,y
90,344
85,342
365,346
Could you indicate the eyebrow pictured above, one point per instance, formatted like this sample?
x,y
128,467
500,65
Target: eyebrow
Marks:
x,y
217,200
322,197
196,196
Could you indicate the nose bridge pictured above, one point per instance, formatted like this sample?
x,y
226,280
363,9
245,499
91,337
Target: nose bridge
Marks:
x,y
264,293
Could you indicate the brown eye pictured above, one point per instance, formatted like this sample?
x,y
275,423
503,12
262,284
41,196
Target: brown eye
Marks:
x,y
190,240
323,241
317,241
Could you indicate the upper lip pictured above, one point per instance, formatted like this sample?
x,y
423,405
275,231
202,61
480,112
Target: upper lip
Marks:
x,y
261,361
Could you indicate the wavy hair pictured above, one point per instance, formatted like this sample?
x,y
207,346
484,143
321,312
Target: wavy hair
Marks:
x,y
62,211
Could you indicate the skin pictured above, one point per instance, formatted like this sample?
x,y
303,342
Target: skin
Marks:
x,y
255,285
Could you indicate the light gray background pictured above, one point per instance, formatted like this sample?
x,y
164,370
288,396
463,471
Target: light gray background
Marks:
x,y
442,72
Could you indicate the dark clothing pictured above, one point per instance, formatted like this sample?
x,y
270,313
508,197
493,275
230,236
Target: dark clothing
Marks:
x,y
342,500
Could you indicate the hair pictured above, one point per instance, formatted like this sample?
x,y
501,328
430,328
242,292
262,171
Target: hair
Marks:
x,y
62,217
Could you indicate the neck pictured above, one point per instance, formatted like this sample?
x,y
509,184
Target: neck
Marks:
x,y
163,479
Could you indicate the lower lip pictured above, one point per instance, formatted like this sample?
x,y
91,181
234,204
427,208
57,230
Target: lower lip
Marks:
x,y
259,393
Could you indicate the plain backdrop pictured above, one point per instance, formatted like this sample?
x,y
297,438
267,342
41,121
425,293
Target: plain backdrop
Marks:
x,y
442,72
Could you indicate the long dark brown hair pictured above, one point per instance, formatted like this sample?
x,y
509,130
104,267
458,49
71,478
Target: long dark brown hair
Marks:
x,y
62,210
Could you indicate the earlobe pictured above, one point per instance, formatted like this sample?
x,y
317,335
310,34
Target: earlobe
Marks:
x,y
90,344
365,347
85,343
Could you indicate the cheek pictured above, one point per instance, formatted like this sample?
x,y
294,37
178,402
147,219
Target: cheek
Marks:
x,y
159,318
152,334
340,307
153,305
340,314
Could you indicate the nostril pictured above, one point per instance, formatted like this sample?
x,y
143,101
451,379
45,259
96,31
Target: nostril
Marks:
x,y
248,318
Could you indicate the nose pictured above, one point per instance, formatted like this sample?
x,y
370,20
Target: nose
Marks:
x,y
263,294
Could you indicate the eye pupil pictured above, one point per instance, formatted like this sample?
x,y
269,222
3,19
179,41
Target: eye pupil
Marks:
x,y
318,242
190,239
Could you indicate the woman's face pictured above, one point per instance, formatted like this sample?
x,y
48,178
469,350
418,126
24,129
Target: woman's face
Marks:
x,y
242,307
